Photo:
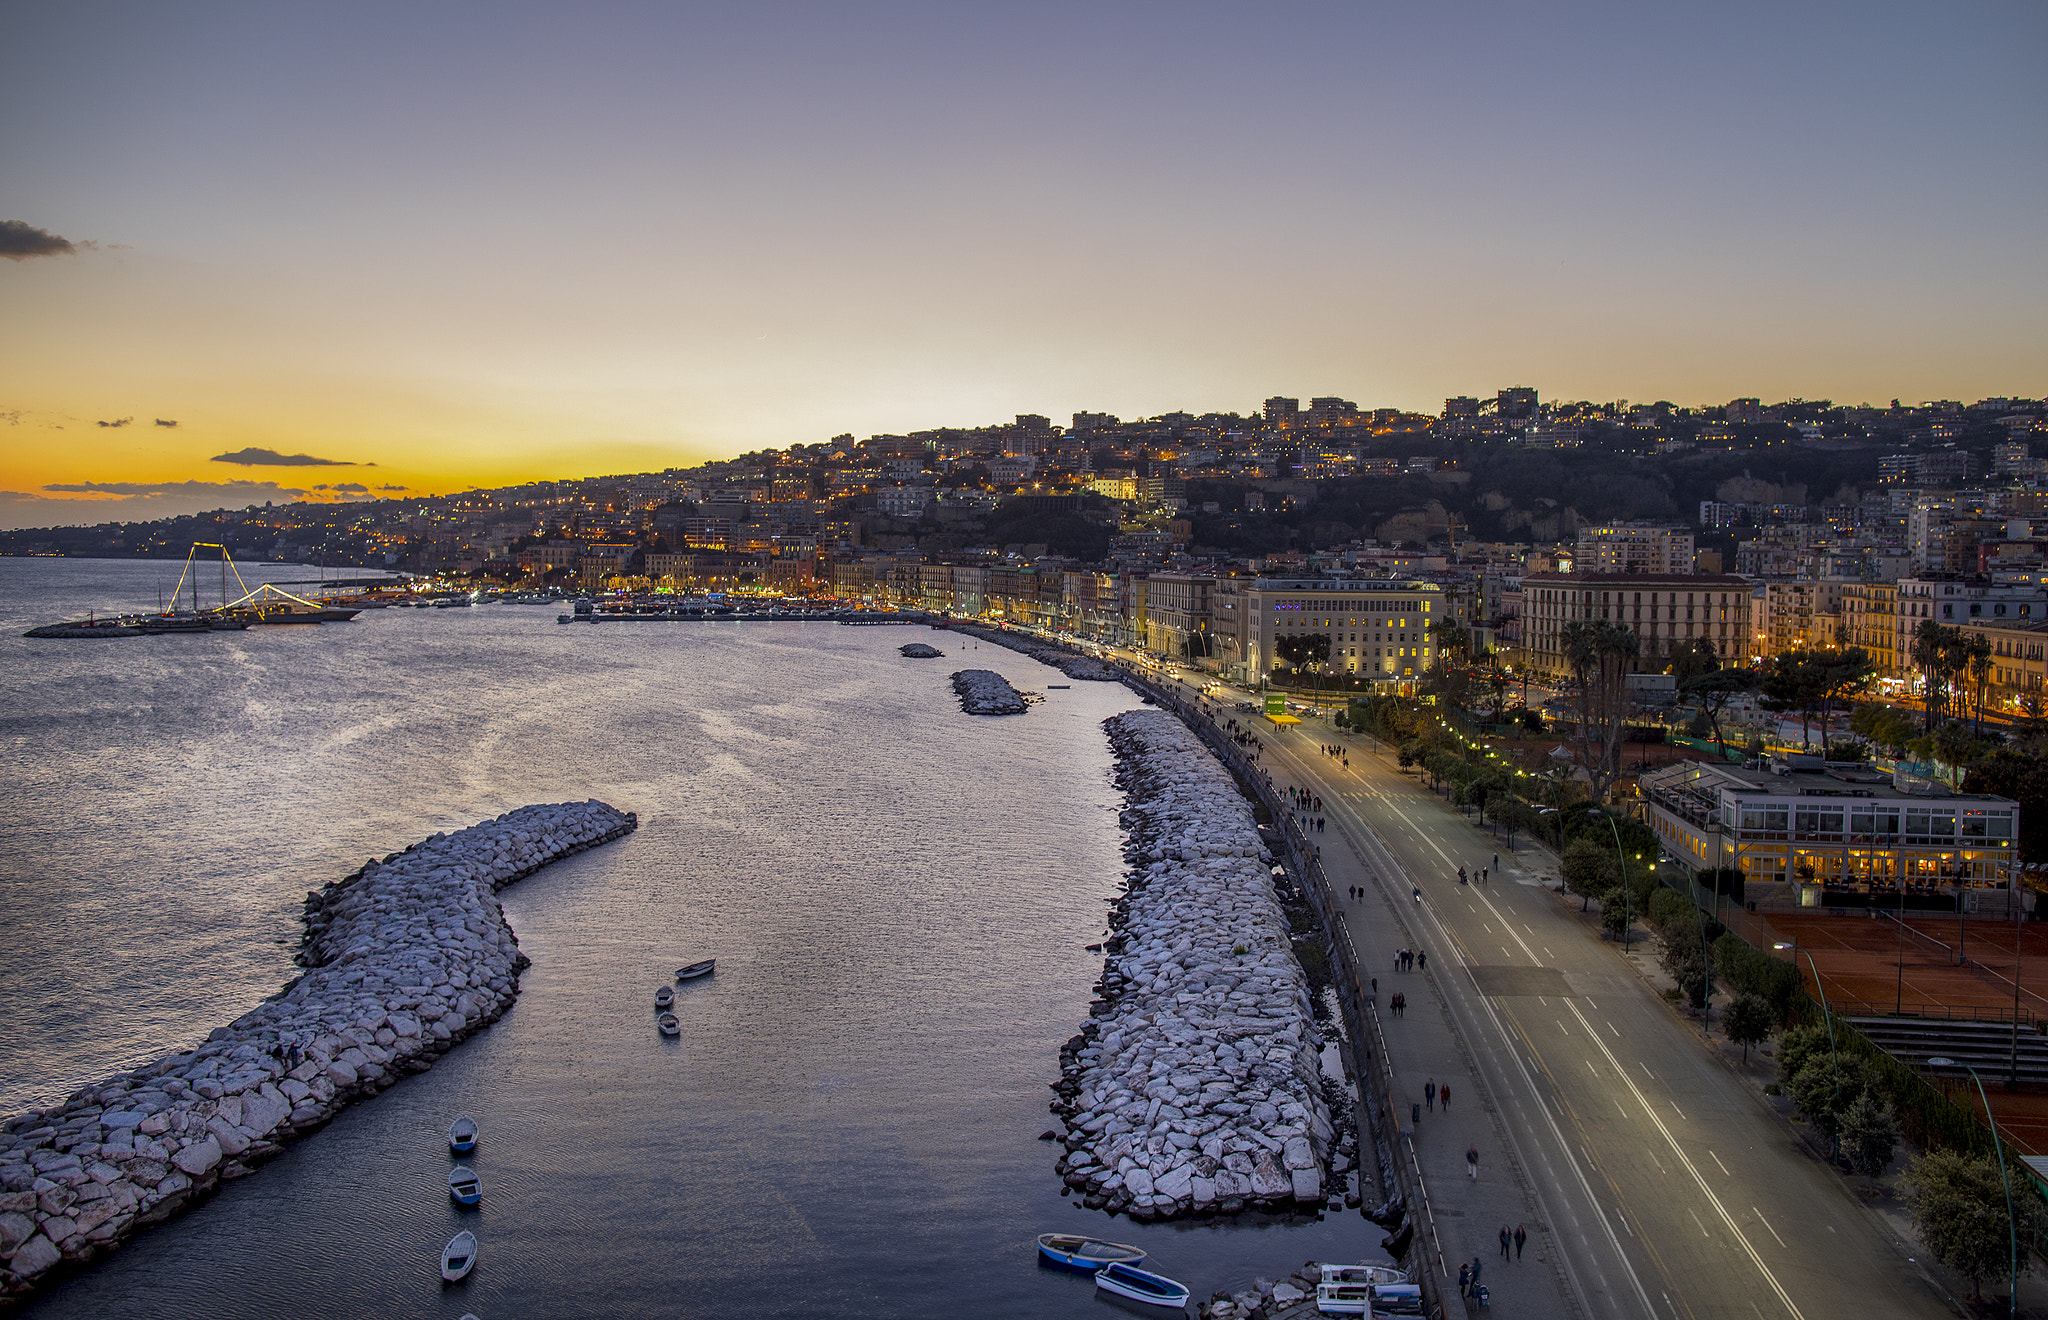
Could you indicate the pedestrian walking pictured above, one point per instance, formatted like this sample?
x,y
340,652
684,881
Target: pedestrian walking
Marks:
x,y
1475,1271
1375,985
1429,1094
1496,861
1507,1240
1422,960
1443,1093
1464,1277
1521,1237
1472,1167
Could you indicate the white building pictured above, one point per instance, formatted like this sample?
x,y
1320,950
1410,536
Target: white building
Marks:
x,y
1634,547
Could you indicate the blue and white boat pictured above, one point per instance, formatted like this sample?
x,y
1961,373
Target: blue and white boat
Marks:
x,y
1134,1284
462,1135
464,1187
1085,1253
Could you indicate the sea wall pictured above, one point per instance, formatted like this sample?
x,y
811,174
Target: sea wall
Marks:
x,y
1196,1086
407,956
1051,653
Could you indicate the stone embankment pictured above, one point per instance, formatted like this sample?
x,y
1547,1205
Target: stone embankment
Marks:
x,y
408,956
985,692
919,651
1196,1086
1049,653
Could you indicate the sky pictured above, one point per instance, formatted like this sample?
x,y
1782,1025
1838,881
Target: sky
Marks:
x,y
438,246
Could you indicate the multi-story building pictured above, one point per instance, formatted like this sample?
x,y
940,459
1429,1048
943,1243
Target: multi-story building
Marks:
x,y
1634,547
1378,628
1801,614
1178,621
1868,612
1663,610
2019,663
1957,601
1837,835
1517,403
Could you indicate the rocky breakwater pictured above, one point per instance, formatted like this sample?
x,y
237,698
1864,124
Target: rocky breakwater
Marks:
x,y
1086,668
985,692
407,956
1195,1088
919,651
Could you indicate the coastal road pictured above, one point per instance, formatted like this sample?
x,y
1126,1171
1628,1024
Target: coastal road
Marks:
x,y
1666,1185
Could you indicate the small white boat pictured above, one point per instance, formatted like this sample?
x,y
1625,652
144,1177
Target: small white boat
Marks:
x,y
462,1135
697,969
1128,1281
664,997
458,1258
464,1187
669,1025
1364,1274
1085,1253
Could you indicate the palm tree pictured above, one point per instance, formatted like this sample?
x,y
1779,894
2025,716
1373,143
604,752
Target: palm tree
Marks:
x,y
1599,654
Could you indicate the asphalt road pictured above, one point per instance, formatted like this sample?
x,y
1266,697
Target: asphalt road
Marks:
x,y
1667,1185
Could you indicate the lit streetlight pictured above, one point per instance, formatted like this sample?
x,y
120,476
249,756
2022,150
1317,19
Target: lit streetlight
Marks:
x,y
1627,912
2011,1223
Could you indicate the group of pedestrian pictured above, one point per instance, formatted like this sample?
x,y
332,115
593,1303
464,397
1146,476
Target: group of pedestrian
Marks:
x,y
1514,1240
1398,1003
1405,960
1468,1279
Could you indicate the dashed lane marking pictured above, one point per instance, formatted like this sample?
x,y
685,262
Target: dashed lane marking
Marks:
x,y
1717,1160
1767,1225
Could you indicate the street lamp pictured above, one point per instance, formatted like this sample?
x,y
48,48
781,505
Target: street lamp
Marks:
x,y
1827,1013
1627,899
2011,1223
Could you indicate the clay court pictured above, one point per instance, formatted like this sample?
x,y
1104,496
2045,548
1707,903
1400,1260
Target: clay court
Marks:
x,y
1870,966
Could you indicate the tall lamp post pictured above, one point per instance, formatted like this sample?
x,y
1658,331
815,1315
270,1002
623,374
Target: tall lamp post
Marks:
x,y
1828,1014
1627,899
2011,1223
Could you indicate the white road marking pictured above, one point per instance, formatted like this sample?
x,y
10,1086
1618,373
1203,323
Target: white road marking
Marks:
x,y
1717,1160
1767,1225
1610,1027
1678,1152
1681,1112
1702,1227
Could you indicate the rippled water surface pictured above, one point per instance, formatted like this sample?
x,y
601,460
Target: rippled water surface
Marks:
x,y
897,895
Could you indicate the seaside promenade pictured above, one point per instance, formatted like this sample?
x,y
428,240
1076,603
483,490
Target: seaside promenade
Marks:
x,y
1652,1179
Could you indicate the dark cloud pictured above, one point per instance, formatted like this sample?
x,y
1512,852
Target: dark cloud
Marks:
x,y
161,422
20,241
119,421
270,488
394,488
271,458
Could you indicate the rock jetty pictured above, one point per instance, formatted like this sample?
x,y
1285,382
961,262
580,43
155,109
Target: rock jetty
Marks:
x,y
985,692
1048,653
408,956
1196,1087
919,651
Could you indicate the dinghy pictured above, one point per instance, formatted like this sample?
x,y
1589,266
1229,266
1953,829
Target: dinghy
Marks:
x,y
1364,1274
463,1186
458,1258
664,997
1128,1281
462,1135
697,969
1085,1253
669,1025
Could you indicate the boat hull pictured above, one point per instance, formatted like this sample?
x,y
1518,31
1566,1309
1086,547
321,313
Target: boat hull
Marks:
x,y
1138,1285
1086,1254
697,969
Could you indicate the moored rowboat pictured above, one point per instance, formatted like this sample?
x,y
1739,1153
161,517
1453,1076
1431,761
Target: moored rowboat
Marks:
x,y
462,1135
464,1187
1085,1253
458,1258
1138,1285
697,969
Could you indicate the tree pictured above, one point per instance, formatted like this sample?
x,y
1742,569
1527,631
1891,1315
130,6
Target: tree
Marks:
x,y
1299,650
1691,660
1887,726
1959,1210
1980,673
1589,871
2024,778
1826,1088
1793,683
1798,1047
1841,676
1870,1135
1685,957
1748,1021
1714,691
1453,639
1599,654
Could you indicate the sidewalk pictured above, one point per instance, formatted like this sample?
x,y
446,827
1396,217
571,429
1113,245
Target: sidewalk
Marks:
x,y
1423,1045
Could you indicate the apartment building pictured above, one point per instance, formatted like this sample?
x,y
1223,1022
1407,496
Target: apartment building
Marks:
x,y
1869,611
1377,627
1634,547
1663,610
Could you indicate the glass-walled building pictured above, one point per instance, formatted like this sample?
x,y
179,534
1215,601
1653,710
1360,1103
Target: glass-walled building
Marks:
x,y
1835,834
